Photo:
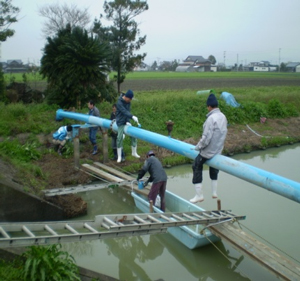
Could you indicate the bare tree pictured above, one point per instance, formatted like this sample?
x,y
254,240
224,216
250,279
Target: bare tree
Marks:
x,y
58,16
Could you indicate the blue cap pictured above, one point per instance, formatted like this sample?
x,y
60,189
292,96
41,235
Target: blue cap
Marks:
x,y
212,101
129,94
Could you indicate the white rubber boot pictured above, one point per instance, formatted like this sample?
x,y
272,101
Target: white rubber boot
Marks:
x,y
133,150
214,184
119,151
199,194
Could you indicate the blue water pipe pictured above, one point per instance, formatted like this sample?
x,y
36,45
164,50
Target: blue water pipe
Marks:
x,y
272,182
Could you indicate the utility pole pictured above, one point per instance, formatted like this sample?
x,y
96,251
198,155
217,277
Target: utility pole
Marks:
x,y
237,62
224,59
279,60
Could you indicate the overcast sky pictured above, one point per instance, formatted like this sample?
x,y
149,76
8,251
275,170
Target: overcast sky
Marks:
x,y
233,31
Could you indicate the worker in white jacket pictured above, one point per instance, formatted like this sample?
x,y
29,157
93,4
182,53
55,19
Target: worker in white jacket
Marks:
x,y
210,144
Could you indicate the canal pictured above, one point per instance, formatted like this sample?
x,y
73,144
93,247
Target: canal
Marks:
x,y
270,217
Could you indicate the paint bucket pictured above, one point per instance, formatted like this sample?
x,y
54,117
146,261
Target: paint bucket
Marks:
x,y
141,184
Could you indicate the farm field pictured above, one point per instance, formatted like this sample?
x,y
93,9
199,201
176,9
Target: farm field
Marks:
x,y
151,81
199,81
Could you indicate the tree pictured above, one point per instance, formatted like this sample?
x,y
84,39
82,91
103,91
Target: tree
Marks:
x,y
154,66
174,65
8,15
283,67
76,66
59,16
212,59
123,35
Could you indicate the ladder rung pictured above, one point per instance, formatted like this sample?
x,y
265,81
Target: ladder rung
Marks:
x,y
49,229
4,233
105,225
198,216
187,216
165,218
218,214
227,214
207,215
25,229
90,228
109,221
153,219
177,217
70,228
139,219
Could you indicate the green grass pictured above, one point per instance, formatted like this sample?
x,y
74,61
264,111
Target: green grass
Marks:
x,y
31,77
19,77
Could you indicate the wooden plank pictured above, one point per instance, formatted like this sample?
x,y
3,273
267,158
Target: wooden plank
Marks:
x,y
114,171
107,176
275,262
101,173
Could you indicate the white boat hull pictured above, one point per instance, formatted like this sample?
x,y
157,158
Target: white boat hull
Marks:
x,y
188,235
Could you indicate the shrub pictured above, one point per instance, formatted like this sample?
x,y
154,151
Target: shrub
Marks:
x,y
276,109
45,263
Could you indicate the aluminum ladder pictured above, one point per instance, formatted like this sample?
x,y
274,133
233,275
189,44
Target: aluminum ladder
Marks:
x,y
82,188
104,226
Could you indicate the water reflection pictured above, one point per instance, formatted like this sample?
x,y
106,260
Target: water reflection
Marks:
x,y
132,250
207,263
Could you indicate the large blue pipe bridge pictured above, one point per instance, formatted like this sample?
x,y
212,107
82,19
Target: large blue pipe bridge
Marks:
x,y
272,182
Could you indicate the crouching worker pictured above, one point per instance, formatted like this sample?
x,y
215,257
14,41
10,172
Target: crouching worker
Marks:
x,y
158,177
61,136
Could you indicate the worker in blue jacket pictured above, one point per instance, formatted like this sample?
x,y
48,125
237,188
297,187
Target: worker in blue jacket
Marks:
x,y
61,136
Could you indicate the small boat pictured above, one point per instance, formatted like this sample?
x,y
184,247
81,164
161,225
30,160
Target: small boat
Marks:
x,y
190,236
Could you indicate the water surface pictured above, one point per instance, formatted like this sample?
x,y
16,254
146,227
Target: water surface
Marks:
x,y
154,257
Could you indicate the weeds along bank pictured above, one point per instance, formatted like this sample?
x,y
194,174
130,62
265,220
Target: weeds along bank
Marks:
x,y
25,129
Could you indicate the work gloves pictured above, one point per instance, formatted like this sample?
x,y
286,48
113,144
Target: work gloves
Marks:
x,y
135,119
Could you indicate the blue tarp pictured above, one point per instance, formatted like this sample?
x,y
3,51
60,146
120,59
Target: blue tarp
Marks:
x,y
229,99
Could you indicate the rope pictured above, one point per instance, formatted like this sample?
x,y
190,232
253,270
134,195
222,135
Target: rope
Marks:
x,y
255,132
216,223
240,224
132,184
220,251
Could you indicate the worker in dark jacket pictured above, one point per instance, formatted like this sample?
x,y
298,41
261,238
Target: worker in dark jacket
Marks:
x,y
123,117
158,177
93,111
114,135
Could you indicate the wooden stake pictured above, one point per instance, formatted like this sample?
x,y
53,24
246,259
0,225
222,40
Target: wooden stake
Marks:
x,y
219,204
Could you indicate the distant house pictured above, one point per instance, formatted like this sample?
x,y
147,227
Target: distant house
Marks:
x,y
14,66
262,66
142,67
194,63
293,67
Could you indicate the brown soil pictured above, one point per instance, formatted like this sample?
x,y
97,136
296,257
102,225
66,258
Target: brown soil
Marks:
x,y
201,84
